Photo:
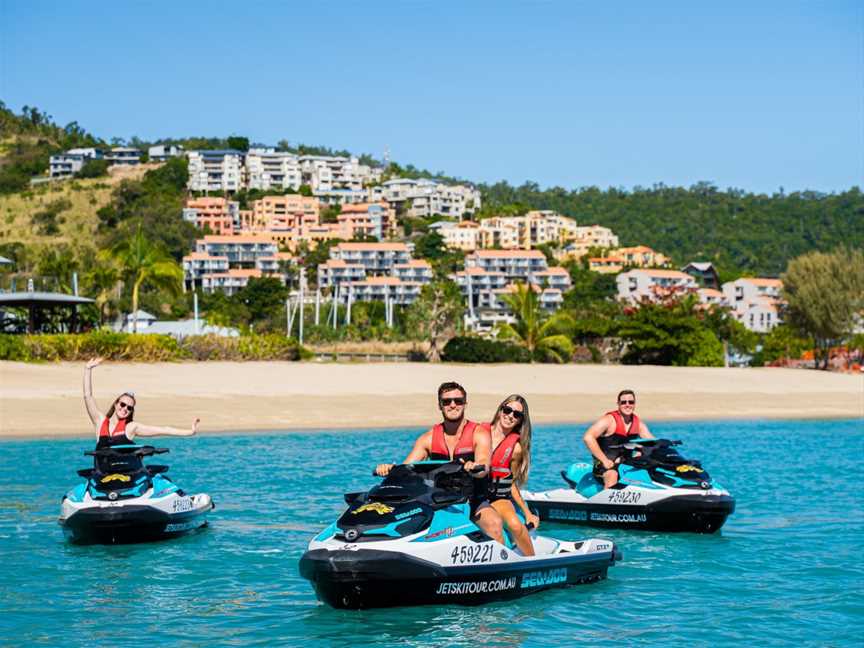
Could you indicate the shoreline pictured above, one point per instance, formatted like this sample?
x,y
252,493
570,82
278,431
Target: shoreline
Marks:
x,y
45,400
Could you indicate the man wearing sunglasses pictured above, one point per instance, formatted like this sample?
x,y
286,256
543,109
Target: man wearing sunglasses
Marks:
x,y
618,426
458,439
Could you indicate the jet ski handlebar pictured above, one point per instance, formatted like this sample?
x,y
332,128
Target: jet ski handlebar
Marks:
x,y
476,470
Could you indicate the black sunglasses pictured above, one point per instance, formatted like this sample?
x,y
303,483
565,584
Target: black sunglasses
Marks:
x,y
455,401
509,411
129,408
627,402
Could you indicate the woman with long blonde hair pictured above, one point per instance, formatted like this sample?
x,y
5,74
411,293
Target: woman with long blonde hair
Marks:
x,y
511,461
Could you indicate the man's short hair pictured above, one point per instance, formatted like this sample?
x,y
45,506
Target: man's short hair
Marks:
x,y
624,392
450,386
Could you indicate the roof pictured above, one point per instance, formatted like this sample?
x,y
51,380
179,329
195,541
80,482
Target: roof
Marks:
x,y
340,263
35,298
206,201
701,266
662,274
556,270
474,270
762,281
361,207
5,260
140,315
710,292
617,260
384,281
238,238
510,254
373,247
634,249
182,328
235,272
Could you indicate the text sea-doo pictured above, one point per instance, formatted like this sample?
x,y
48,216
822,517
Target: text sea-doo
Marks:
x,y
658,490
410,541
124,500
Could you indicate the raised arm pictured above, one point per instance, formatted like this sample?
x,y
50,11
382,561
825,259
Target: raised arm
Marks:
x,y
137,429
89,402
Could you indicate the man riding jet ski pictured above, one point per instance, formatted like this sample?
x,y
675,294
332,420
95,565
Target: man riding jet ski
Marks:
x,y
656,489
411,541
124,500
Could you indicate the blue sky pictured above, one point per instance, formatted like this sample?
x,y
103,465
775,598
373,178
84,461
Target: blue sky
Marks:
x,y
754,95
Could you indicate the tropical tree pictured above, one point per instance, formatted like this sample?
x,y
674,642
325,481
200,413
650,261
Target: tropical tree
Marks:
x,y
145,263
825,296
544,336
101,281
436,315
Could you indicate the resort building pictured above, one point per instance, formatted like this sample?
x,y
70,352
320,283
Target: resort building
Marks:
x,y
392,289
754,302
282,213
198,264
267,169
710,297
588,237
220,215
704,273
367,219
427,198
653,285
164,152
641,256
124,155
67,164
463,236
376,258
221,171
335,272
516,265
606,265
228,282
416,271
241,251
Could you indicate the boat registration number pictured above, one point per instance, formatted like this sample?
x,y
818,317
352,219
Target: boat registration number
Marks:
x,y
182,504
625,496
471,555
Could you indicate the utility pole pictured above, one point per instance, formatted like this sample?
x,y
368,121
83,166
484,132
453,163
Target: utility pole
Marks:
x,y
317,306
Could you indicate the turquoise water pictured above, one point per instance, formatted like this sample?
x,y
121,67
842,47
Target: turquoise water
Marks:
x,y
785,569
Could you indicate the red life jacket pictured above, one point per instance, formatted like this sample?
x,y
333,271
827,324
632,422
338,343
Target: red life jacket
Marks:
x,y
621,428
502,455
464,447
117,436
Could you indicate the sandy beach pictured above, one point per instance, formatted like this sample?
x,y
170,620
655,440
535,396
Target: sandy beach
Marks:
x,y
44,400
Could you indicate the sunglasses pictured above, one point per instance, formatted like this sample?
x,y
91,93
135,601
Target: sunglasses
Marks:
x,y
509,411
452,401
130,408
627,402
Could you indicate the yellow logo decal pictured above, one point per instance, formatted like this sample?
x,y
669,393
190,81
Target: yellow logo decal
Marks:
x,y
115,477
378,507
687,468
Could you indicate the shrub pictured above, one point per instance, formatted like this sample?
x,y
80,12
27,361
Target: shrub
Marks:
x,y
475,349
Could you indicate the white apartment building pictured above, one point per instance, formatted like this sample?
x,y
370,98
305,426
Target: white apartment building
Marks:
x,y
710,297
403,293
463,236
636,285
228,282
241,251
336,272
164,152
428,198
268,169
72,161
754,302
415,271
591,236
376,258
124,155
324,173
516,265
198,264
221,171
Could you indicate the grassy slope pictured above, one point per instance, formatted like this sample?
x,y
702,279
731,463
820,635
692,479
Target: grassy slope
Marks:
x,y
79,221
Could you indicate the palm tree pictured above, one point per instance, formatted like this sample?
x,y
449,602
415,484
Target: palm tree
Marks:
x,y
144,262
102,281
540,333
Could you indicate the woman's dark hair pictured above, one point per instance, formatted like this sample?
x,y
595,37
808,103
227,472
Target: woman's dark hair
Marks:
x,y
450,386
523,427
114,407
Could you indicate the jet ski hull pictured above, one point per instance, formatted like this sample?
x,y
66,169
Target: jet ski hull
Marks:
x,y
131,523
372,578
694,513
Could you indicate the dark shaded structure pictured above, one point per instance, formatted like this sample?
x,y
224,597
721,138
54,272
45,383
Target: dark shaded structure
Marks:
x,y
40,312
704,273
